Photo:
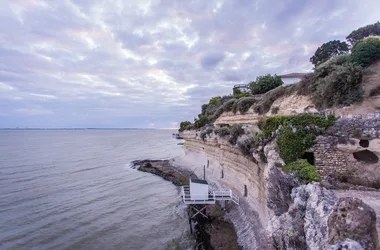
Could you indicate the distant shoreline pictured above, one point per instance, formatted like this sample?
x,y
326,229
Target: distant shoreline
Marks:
x,y
17,129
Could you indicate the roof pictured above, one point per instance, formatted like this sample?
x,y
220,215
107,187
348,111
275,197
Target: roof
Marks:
x,y
293,75
198,181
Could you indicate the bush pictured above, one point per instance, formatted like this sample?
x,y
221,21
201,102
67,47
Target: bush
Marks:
x,y
229,104
337,85
265,83
292,144
245,103
366,51
183,125
275,110
235,132
201,121
213,100
304,170
356,133
329,50
222,132
266,101
363,32
271,124
206,132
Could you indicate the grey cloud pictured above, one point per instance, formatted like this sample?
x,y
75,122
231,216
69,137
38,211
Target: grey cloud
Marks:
x,y
210,61
101,73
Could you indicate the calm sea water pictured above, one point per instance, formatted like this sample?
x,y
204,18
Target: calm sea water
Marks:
x,y
75,190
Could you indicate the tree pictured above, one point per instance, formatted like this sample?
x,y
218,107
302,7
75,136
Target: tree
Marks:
x,y
366,51
265,83
183,125
329,50
363,32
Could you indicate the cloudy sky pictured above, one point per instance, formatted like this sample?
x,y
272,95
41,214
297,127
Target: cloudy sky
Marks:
x,y
152,63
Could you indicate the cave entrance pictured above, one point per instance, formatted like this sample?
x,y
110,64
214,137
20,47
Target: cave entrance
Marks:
x,y
366,156
364,143
245,191
309,156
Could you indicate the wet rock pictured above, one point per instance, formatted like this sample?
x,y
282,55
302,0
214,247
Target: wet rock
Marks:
x,y
353,219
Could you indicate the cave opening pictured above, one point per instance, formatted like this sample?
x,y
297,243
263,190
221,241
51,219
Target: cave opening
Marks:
x,y
364,143
366,156
309,156
245,191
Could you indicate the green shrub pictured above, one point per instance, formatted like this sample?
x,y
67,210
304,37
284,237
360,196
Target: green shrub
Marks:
x,y
366,51
271,124
337,85
222,132
183,125
275,110
292,144
201,121
229,104
213,100
363,32
356,133
265,83
329,50
304,170
235,107
235,132
205,132
243,94
266,101
245,103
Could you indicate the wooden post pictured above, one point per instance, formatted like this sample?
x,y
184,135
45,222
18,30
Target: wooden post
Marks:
x,y
204,172
189,214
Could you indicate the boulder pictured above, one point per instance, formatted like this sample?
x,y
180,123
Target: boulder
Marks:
x,y
348,244
355,220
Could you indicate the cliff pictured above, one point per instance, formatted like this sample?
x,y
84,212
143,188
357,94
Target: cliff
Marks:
x,y
276,211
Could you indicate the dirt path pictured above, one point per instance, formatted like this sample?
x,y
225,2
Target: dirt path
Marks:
x,y
371,198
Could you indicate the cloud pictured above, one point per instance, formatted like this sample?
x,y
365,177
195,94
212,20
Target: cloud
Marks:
x,y
210,61
120,63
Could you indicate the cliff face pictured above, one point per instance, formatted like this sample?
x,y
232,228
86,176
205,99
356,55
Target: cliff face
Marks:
x,y
275,210
225,167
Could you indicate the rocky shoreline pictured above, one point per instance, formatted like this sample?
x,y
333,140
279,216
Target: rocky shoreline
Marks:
x,y
212,233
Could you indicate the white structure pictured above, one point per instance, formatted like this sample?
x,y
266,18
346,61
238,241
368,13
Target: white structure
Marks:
x,y
198,189
198,193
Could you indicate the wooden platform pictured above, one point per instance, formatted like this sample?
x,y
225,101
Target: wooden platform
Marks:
x,y
211,199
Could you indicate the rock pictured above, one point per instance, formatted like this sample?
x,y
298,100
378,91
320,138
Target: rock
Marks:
x,y
353,219
304,225
348,244
318,208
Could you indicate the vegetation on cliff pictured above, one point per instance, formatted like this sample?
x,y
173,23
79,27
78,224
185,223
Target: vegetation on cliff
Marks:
x,y
303,169
329,50
363,32
265,83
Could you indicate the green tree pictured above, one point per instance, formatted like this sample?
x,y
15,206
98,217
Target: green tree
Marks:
x,y
329,50
366,51
213,100
363,32
265,83
183,125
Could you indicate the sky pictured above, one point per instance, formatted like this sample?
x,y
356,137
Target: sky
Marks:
x,y
152,63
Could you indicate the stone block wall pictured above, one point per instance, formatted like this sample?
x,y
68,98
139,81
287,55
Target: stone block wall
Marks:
x,y
329,161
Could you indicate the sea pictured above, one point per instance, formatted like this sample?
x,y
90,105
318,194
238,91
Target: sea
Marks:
x,y
76,189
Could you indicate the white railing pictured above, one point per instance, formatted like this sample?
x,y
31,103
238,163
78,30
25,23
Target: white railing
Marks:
x,y
211,198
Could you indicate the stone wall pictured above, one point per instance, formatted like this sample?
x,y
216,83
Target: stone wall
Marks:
x,y
337,154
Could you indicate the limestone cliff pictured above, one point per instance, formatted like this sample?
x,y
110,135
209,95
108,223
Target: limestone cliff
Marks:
x,y
275,210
